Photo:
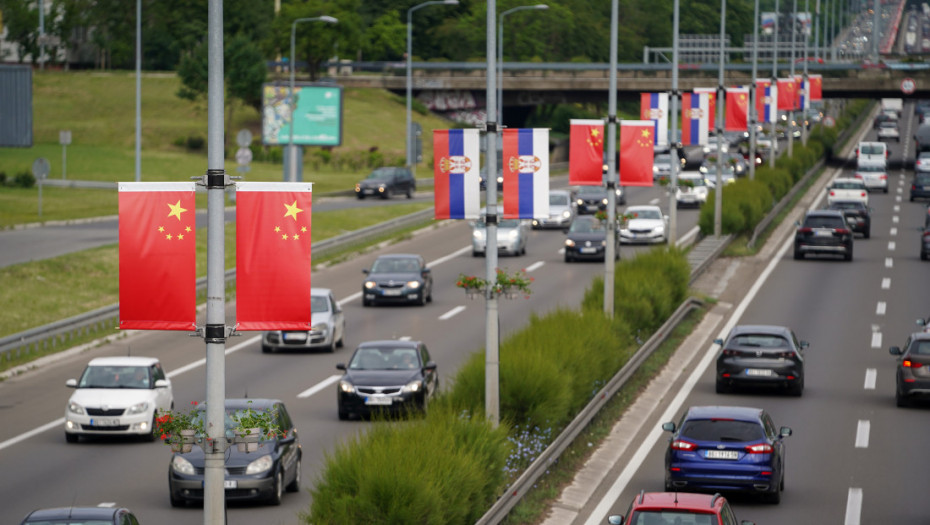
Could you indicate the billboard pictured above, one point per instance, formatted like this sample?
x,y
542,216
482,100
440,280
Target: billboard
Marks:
x,y
317,115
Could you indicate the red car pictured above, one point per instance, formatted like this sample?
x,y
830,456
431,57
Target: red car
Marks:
x,y
678,507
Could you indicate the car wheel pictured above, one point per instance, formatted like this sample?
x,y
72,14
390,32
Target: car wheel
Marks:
x,y
421,301
568,258
342,339
72,438
774,497
885,190
429,296
365,302
266,349
797,389
849,255
343,415
901,400
361,196
294,485
409,193
176,502
867,233
387,194
923,256
277,489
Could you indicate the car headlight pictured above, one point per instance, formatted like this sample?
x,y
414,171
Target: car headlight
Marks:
x,y
658,229
606,167
500,180
655,169
75,408
370,284
138,408
413,387
413,284
182,466
347,387
260,465
570,243
580,202
358,187
566,214
381,188
513,234
604,201
604,243
322,327
478,235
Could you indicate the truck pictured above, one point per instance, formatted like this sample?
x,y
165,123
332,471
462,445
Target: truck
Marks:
x,y
893,104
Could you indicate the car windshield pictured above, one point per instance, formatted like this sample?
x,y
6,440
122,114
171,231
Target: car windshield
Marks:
x,y
722,430
889,124
381,174
843,185
115,377
920,347
318,304
694,181
760,340
823,222
384,359
591,190
395,265
646,214
587,226
870,149
922,178
847,205
671,517
502,224
558,200
663,158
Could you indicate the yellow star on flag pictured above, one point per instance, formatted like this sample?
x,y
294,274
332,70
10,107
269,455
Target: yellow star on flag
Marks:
x,y
176,210
292,210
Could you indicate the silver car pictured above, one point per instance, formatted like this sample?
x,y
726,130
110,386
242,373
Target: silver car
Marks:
x,y
511,237
327,327
561,211
888,130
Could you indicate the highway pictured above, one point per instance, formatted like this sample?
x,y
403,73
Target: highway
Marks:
x,y
38,469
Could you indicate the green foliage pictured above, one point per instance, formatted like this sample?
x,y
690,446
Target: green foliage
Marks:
x,y
24,179
777,180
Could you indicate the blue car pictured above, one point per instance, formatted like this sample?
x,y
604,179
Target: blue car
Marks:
x,y
720,448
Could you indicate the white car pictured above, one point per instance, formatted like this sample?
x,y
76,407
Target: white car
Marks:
x,y
873,175
692,189
847,189
327,327
511,237
561,211
922,163
117,396
888,130
645,224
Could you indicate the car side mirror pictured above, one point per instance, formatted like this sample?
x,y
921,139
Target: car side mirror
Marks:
x,y
668,427
804,344
747,522
426,271
784,432
71,383
161,383
718,341
340,366
430,365
616,519
365,271
894,350
921,322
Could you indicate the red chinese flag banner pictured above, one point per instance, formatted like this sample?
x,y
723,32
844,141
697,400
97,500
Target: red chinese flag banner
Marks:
x,y
157,265
586,153
737,109
816,85
273,255
787,94
636,152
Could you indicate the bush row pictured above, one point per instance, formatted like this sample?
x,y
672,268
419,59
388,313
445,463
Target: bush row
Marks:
x,y
452,464
23,179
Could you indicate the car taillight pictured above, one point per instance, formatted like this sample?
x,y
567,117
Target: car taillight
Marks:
x,y
760,448
785,355
842,231
832,193
731,352
804,230
679,444
907,363
862,194
883,176
926,234
858,175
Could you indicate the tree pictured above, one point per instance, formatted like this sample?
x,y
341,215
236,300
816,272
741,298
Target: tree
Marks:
x,y
22,24
318,41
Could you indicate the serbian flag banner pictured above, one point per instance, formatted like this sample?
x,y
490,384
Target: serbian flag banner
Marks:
x,y
816,86
804,89
157,265
586,153
711,104
456,178
526,173
273,255
766,100
654,107
636,152
787,94
695,119
737,109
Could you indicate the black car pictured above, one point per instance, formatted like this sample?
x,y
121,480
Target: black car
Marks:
x,y
386,182
920,186
591,199
397,278
260,475
761,355
390,377
912,378
858,215
587,240
81,516
824,231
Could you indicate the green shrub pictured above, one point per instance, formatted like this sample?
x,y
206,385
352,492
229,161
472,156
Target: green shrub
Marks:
x,y
777,180
195,143
24,179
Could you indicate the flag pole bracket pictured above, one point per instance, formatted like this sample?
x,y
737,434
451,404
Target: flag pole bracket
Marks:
x,y
491,127
216,178
215,333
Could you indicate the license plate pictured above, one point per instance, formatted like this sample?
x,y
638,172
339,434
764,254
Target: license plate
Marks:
x,y
823,233
590,207
230,484
721,454
758,372
588,250
392,292
378,400
296,336
105,422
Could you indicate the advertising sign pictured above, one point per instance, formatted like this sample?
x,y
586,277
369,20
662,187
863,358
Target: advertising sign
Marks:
x,y
317,115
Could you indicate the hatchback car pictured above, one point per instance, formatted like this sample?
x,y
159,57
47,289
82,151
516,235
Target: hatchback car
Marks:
x,y
874,175
591,199
725,448
397,278
858,216
912,377
761,356
920,186
561,211
327,327
587,240
922,162
823,232
117,396
888,130
259,475
692,190
512,236
662,508
644,224
387,182
99,515
391,377
847,188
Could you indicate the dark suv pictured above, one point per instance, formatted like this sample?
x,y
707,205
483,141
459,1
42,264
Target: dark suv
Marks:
x,y
385,182
858,215
913,374
824,231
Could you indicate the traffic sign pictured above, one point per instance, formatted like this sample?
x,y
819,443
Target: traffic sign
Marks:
x,y
908,86
829,121
243,156
40,168
244,138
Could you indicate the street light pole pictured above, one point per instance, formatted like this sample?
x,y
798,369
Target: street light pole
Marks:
x,y
410,160
292,64
500,55
754,95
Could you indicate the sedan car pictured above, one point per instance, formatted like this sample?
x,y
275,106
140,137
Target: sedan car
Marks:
x,y
761,355
874,175
888,130
858,216
674,507
259,475
692,189
920,186
387,182
824,231
327,327
732,162
724,448
99,515
392,377
587,240
397,278
512,235
561,211
644,224
922,162
912,378
117,396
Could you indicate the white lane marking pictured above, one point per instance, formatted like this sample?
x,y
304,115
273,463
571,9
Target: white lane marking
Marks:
x,y
561,251
862,433
404,338
107,504
893,232
451,313
319,386
445,258
891,246
889,262
880,308
536,265
654,201
895,219
900,190
897,208
853,506
886,283
619,485
871,375
897,198
876,339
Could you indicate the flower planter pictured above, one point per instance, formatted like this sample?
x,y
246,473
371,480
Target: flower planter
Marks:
x,y
247,440
184,442
473,293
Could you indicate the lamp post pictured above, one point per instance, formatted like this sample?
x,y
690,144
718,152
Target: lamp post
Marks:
x,y
409,143
500,55
291,149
